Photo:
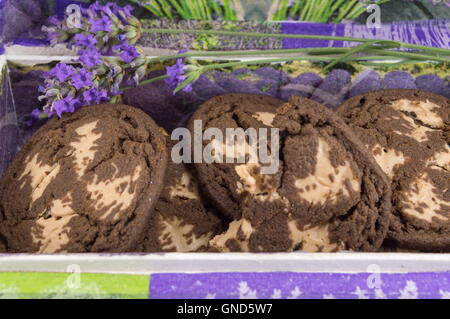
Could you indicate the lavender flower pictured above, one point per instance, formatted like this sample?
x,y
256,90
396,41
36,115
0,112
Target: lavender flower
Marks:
x,y
90,58
101,27
111,9
102,24
62,72
127,52
177,74
96,6
66,96
95,96
126,12
36,113
104,30
66,105
82,78
87,41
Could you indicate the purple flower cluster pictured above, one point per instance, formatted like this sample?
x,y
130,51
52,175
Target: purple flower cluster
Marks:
x,y
90,58
101,27
104,40
126,51
67,88
105,31
176,75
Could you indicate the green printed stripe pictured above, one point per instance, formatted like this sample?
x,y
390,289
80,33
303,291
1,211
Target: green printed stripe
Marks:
x,y
73,285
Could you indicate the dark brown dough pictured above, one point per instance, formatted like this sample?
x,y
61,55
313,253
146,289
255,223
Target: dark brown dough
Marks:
x,y
408,132
84,183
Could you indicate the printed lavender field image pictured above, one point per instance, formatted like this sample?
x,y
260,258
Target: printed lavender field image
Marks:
x,y
132,131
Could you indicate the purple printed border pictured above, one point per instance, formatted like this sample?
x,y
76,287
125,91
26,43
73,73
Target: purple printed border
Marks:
x,y
435,33
428,285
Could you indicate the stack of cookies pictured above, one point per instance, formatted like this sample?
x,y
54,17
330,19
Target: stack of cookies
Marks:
x,y
374,175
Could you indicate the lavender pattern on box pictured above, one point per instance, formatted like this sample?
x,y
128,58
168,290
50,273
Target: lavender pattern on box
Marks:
x,y
429,32
23,26
301,285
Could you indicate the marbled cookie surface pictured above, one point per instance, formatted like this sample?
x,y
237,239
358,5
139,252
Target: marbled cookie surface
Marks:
x,y
84,183
331,194
222,181
181,220
408,133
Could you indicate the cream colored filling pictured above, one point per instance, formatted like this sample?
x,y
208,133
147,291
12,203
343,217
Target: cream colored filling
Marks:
x,y
242,225
423,110
179,237
60,208
41,175
388,160
318,188
418,132
441,159
54,232
51,233
422,194
185,188
113,193
264,117
312,239
252,181
83,151
233,152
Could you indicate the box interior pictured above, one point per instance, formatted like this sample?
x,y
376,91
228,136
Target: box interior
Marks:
x,y
13,135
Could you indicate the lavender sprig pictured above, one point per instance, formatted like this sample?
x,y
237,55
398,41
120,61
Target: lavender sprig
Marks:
x,y
66,88
103,30
100,27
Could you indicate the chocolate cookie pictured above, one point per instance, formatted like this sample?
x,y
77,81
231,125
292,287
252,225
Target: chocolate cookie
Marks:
x,y
84,183
331,195
408,133
181,221
221,181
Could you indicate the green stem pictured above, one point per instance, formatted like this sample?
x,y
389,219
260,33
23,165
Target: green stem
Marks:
x,y
445,52
311,51
161,77
389,65
247,53
222,65
349,53
407,55
278,60
262,61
